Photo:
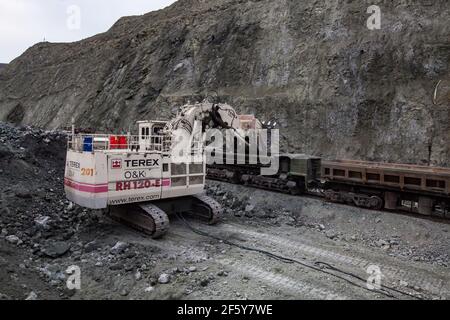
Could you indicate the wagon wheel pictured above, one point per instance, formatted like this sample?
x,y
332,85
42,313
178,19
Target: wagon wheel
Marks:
x,y
376,203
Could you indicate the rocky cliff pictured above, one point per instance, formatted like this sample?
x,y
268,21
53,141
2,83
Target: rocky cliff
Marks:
x,y
338,89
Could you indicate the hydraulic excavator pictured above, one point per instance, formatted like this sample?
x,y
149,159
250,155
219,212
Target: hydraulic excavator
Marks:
x,y
141,179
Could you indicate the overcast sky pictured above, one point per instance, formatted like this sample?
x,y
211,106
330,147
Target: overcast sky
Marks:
x,y
26,22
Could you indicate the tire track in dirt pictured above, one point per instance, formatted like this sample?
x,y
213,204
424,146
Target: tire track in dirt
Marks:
x,y
289,278
256,267
433,285
295,286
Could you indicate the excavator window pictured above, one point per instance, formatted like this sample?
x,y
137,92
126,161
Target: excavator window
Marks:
x,y
145,132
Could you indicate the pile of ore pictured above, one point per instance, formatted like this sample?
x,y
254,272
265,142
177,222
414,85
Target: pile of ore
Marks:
x,y
34,212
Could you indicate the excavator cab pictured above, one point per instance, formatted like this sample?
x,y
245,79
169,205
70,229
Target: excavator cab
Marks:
x,y
150,135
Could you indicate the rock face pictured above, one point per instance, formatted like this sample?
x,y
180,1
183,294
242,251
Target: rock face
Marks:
x,y
2,65
338,89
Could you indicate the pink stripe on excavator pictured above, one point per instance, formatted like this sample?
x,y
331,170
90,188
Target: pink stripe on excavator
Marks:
x,y
85,187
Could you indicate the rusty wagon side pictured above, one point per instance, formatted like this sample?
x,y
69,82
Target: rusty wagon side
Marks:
x,y
377,185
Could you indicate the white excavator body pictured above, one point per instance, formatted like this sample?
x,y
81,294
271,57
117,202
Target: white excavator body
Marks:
x,y
100,175
113,171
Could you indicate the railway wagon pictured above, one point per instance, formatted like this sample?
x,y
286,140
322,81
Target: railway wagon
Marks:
x,y
425,190
296,174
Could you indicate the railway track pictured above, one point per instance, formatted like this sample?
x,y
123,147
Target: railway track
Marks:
x,y
404,212
321,194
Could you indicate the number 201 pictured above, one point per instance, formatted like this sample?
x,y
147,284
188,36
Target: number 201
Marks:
x,y
87,172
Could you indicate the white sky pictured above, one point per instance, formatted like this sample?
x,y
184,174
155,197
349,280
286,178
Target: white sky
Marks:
x,y
24,23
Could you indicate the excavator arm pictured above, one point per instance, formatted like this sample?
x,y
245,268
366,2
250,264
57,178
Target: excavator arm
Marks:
x,y
193,120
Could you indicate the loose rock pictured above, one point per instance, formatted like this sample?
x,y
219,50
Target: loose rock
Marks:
x,y
55,249
164,278
119,248
32,296
13,239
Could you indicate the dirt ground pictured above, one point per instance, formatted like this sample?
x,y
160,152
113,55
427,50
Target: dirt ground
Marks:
x,y
273,246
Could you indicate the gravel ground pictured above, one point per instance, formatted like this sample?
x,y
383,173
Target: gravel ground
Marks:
x,y
42,235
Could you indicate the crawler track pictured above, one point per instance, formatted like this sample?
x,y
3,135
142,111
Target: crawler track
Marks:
x,y
207,209
145,217
152,218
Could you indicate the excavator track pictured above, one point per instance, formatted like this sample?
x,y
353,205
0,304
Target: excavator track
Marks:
x,y
144,217
207,209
